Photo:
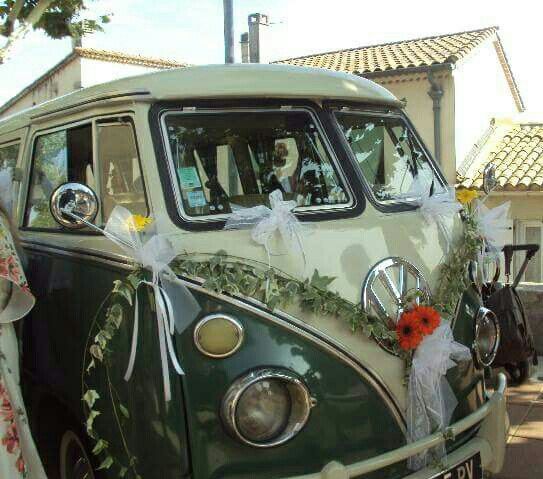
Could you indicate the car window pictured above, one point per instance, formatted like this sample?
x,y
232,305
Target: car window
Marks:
x,y
8,161
389,156
121,179
58,157
8,155
224,161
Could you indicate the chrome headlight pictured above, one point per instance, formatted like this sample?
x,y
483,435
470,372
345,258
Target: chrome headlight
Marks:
x,y
266,407
487,336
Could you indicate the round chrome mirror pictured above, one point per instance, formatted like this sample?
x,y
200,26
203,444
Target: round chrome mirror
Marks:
x,y
77,199
489,178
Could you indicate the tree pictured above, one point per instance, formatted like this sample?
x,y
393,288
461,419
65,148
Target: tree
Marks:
x,y
57,18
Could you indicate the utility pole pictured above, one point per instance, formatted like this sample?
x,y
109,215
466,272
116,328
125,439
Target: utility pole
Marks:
x,y
228,31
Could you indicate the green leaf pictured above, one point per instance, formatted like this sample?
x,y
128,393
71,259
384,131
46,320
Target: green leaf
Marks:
x,y
124,411
321,282
90,420
101,340
134,280
90,397
106,463
115,314
122,471
91,365
96,351
100,446
121,288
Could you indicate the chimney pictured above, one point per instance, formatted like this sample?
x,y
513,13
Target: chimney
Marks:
x,y
244,42
258,29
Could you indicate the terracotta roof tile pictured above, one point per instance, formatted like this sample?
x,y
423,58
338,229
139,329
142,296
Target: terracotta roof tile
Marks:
x,y
518,156
403,54
421,52
118,57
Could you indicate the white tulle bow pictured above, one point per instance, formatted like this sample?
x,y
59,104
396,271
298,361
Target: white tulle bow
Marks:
x,y
154,252
493,223
431,401
438,208
265,222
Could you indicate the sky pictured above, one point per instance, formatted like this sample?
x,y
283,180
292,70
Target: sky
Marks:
x,y
192,31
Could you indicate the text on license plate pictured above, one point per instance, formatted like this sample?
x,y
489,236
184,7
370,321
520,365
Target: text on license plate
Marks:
x,y
468,469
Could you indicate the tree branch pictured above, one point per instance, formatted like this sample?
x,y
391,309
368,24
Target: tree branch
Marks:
x,y
24,26
12,17
15,10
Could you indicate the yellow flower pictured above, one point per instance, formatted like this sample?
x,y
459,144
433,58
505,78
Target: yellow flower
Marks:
x,y
138,222
466,196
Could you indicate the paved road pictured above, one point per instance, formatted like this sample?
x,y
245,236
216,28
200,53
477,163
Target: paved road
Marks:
x,y
524,459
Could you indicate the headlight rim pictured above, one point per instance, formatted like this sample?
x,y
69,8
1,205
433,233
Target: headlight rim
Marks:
x,y
482,314
239,386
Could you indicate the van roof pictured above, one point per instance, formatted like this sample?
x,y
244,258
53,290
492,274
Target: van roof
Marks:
x,y
220,81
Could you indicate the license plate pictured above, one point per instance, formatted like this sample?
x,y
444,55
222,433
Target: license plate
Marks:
x,y
468,469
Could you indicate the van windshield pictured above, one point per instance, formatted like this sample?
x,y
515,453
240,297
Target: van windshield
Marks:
x,y
228,160
389,155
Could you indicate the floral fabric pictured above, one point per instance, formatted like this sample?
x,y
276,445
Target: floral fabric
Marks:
x,y
21,300
19,458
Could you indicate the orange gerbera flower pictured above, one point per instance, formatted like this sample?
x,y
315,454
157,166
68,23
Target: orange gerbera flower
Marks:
x,y
428,319
408,331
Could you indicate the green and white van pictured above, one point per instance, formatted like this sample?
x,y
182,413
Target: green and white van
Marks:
x,y
269,390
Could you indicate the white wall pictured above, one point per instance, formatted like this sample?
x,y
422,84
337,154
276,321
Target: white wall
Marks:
x,y
65,80
98,71
481,93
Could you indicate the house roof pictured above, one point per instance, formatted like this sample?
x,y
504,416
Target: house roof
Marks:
x,y
402,56
119,57
517,151
93,54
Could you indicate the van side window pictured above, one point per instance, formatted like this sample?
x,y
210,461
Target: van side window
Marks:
x,y
120,178
8,161
8,156
58,157
225,161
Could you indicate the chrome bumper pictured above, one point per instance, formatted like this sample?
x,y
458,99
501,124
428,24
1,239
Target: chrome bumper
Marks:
x,y
489,442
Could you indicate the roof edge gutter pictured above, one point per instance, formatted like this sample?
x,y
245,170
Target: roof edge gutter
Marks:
x,y
438,67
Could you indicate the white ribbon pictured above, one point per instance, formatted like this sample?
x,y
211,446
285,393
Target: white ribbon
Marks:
x,y
431,401
266,222
493,223
438,208
155,254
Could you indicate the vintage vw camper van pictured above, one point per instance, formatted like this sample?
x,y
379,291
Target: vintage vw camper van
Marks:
x,y
269,389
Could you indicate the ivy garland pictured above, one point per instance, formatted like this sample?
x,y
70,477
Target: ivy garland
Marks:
x,y
229,275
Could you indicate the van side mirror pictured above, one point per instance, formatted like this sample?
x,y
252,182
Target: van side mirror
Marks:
x,y
489,178
77,199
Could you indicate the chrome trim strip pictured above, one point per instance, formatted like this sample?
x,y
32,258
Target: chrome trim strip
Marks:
x,y
111,259
278,317
381,461
210,317
221,217
482,315
298,416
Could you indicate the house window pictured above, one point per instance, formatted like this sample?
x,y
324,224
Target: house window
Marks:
x,y
531,233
